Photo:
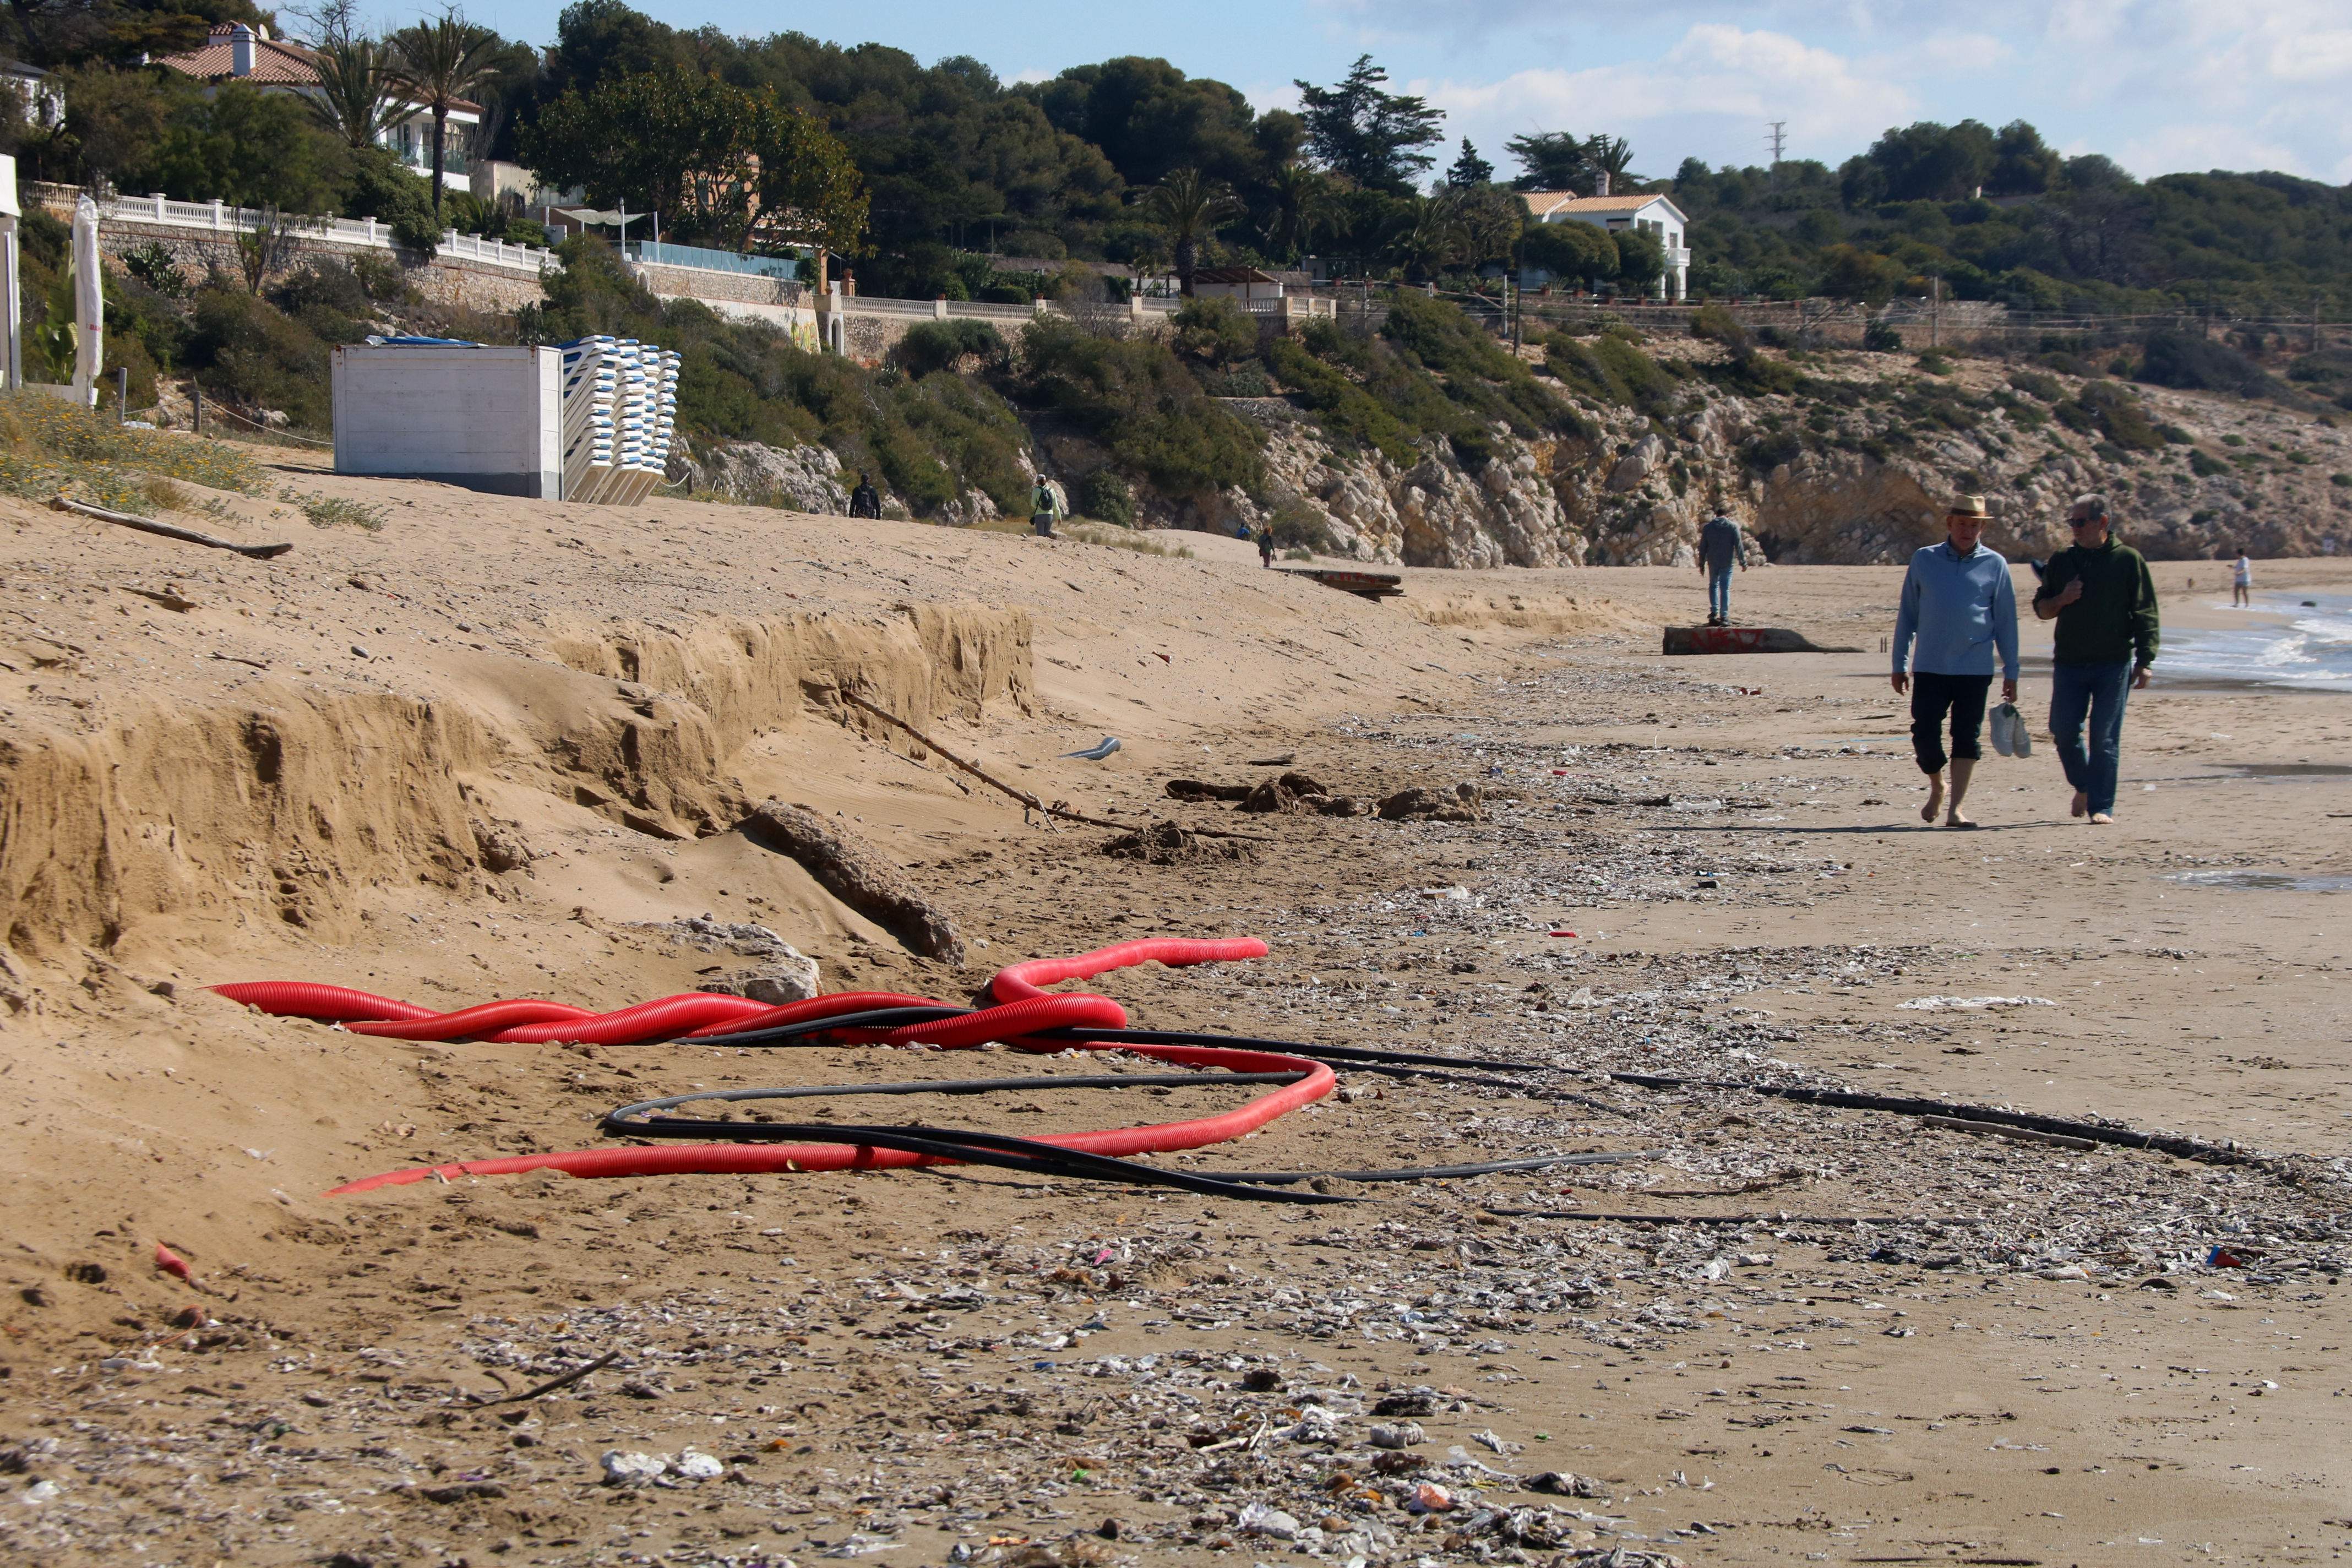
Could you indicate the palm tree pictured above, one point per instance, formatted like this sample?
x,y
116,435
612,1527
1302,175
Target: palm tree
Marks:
x,y
1610,159
1190,206
436,64
1430,233
358,99
1302,202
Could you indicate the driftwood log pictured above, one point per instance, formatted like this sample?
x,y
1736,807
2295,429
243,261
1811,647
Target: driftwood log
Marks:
x,y
859,875
188,535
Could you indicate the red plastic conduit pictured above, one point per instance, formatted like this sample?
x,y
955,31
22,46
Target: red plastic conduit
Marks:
x,y
1022,1009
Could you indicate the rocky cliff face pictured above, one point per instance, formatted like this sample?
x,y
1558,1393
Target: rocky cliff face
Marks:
x,y
1857,470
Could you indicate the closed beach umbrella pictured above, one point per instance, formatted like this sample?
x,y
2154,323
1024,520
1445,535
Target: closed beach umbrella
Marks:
x,y
90,301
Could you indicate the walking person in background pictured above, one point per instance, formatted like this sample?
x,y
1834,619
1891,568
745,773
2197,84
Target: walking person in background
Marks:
x,y
1959,608
865,501
1718,553
2242,581
1265,544
2104,599
1043,509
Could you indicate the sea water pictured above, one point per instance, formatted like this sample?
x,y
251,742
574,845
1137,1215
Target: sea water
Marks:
x,y
2302,640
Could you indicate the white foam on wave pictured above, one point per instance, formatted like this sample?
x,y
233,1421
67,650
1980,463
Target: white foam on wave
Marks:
x,y
2290,644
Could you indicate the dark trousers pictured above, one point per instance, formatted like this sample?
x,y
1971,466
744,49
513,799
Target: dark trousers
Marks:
x,y
1933,696
2097,692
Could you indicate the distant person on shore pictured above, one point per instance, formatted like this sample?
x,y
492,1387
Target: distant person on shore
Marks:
x,y
2242,581
1960,608
1265,544
1718,553
2104,599
865,501
1043,509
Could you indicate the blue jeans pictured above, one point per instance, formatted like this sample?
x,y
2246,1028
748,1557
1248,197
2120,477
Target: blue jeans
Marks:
x,y
1719,593
2098,690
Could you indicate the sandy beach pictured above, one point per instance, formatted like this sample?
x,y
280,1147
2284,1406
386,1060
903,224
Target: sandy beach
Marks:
x,y
496,749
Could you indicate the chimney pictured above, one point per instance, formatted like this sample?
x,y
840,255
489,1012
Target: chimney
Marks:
x,y
240,50
1602,175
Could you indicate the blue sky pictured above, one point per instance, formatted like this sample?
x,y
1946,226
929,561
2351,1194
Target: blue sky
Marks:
x,y
2159,85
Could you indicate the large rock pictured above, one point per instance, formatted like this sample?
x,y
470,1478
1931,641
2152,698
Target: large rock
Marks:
x,y
800,478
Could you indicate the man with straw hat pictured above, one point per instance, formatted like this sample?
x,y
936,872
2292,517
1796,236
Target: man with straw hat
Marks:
x,y
1958,609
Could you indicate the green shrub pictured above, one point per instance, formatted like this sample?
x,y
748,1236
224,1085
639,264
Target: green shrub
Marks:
x,y
2204,466
1297,527
1879,337
1767,451
1137,398
1610,369
2120,417
931,346
48,445
154,265
1106,495
1345,411
1716,323
1934,363
246,352
2199,364
1215,330
2341,482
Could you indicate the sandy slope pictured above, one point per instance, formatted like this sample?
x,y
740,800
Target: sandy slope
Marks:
x,y
605,690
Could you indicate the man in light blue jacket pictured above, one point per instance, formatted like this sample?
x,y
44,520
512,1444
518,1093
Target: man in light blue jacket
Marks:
x,y
1960,608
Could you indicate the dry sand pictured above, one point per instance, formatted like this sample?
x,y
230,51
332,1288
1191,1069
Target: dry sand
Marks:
x,y
215,769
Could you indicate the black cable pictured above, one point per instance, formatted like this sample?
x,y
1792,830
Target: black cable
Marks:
x,y
1292,1047
2118,1137
973,1147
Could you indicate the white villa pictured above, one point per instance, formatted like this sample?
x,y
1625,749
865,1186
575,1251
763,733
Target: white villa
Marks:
x,y
236,52
1649,214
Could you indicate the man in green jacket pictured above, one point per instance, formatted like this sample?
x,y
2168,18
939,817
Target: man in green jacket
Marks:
x,y
2104,600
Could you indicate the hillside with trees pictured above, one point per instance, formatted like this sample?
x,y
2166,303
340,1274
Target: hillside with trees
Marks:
x,y
1410,434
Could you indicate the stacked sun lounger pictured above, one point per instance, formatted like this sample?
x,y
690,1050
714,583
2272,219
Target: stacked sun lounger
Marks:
x,y
619,412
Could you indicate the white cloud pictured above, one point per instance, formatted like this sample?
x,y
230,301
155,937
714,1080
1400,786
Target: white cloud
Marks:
x,y
1710,95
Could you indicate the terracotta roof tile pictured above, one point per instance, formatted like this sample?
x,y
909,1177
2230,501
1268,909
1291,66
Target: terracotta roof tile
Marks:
x,y
275,64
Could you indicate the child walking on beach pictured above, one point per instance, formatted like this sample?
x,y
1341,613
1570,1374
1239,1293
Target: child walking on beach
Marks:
x,y
2241,583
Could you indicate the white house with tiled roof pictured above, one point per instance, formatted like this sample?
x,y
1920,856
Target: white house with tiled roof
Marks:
x,y
236,52
1647,213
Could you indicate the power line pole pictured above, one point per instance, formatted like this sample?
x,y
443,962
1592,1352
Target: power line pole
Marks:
x,y
1779,138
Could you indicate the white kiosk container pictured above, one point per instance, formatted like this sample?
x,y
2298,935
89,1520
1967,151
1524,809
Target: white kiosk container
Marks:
x,y
486,418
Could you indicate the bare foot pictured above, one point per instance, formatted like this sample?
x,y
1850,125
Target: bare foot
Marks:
x,y
2101,819
1960,819
1935,799
2081,803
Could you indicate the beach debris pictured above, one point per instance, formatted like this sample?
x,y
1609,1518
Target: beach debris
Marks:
x,y
1970,1003
1171,843
787,975
858,874
2014,1134
1098,751
1418,804
1262,1518
172,1263
186,535
623,1468
1567,1483
1400,1435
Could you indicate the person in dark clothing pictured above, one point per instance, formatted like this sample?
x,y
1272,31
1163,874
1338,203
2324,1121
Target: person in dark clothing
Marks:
x,y
2102,597
1264,546
1718,553
865,501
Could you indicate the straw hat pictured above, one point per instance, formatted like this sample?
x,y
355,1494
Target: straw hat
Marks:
x,y
1968,506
